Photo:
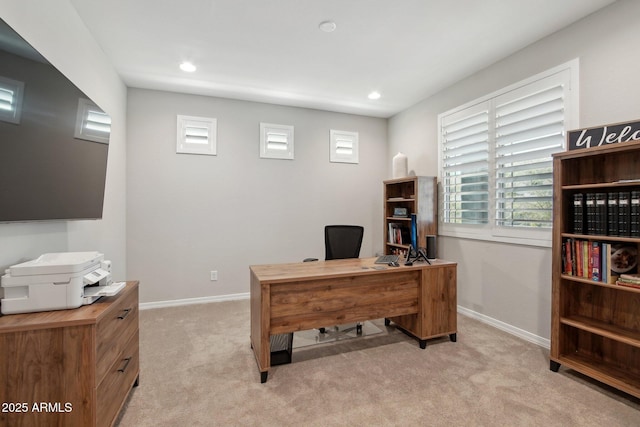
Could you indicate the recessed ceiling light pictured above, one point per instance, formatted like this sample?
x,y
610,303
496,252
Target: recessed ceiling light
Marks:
x,y
374,95
188,67
327,26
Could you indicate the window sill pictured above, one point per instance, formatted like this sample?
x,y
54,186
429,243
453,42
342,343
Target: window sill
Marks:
x,y
536,242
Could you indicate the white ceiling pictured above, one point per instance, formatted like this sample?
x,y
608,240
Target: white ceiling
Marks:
x,y
273,51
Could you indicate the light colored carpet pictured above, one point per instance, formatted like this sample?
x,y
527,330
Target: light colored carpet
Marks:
x,y
197,369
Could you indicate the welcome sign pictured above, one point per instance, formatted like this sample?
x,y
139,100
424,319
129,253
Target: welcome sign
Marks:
x,y
604,135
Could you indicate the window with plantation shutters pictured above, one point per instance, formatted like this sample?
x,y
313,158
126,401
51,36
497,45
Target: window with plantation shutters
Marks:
x,y
92,124
276,141
11,92
344,146
496,159
196,135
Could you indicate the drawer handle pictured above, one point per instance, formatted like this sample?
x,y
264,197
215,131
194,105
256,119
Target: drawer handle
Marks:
x,y
125,313
126,363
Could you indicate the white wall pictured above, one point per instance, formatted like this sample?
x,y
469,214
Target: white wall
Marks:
x,y
55,30
190,214
512,283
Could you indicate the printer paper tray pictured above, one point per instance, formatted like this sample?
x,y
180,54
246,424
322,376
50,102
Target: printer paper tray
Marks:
x,y
104,291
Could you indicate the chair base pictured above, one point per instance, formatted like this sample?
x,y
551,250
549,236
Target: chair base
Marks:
x,y
358,329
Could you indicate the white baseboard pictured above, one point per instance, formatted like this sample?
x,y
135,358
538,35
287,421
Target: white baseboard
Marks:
x,y
520,333
190,301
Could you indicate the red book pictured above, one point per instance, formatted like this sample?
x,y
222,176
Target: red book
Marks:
x,y
568,265
578,258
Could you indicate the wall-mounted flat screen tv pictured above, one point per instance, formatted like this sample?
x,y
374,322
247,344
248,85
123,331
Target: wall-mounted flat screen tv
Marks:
x,y
54,140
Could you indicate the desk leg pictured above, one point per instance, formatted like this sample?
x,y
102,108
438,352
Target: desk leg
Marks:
x,y
453,337
265,374
260,326
423,344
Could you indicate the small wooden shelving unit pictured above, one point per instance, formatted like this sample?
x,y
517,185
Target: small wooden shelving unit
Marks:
x,y
595,325
417,194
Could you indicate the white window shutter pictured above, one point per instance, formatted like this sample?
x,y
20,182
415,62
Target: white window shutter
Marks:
x,y
11,93
465,165
343,146
92,124
529,128
196,135
276,141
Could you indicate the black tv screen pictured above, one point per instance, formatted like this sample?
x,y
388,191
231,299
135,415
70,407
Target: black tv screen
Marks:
x,y
54,140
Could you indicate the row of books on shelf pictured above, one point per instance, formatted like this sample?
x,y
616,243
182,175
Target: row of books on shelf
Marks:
x,y
613,213
599,261
399,234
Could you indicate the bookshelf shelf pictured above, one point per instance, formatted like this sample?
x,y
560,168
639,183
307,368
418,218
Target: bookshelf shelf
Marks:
x,y
617,377
612,185
417,194
601,237
400,200
605,285
395,218
595,326
602,329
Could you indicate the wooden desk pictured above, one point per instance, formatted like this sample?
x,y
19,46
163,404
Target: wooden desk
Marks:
x,y
421,299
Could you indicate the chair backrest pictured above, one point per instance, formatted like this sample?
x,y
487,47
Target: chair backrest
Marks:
x,y
342,241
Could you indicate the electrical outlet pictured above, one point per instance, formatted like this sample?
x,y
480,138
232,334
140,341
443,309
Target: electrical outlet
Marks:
x,y
214,275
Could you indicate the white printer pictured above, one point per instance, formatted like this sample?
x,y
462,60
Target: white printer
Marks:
x,y
57,281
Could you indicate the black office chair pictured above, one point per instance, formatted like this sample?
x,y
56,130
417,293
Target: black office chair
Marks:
x,y
341,242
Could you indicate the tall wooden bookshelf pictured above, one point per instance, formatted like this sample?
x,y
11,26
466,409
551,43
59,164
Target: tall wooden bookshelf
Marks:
x,y
416,194
595,324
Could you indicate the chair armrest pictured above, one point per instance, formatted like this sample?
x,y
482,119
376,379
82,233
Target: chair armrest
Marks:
x,y
309,259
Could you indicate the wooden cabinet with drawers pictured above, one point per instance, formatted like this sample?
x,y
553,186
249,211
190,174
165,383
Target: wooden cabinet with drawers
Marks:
x,y
70,367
